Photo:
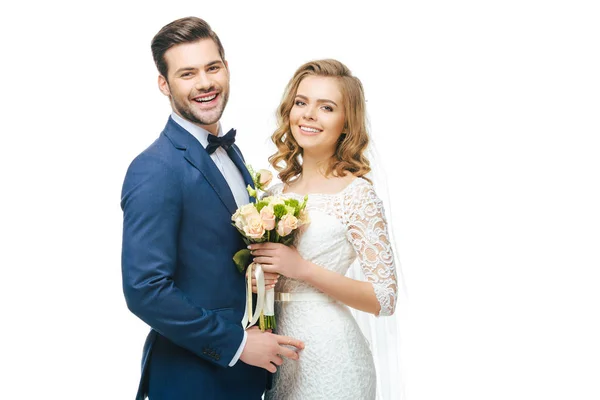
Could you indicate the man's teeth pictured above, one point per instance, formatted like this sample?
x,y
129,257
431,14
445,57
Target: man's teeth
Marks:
x,y
307,129
205,99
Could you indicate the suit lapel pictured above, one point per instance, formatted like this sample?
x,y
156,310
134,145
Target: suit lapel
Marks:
x,y
197,156
236,157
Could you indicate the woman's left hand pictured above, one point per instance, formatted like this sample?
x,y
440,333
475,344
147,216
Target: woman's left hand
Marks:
x,y
280,259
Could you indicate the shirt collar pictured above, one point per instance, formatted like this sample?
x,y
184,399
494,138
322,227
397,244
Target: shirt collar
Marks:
x,y
200,134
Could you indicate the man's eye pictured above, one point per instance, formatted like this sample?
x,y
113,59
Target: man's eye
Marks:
x,y
213,68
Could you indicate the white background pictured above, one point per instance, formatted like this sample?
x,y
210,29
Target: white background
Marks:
x,y
486,115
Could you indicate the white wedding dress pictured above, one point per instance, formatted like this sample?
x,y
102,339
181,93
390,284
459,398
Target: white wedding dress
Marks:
x,y
336,363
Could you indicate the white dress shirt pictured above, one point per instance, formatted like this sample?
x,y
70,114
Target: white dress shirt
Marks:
x,y
232,175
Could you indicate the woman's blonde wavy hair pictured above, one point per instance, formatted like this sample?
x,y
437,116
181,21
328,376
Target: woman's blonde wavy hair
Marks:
x,y
349,154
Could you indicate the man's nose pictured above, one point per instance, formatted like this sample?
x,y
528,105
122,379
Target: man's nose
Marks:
x,y
203,82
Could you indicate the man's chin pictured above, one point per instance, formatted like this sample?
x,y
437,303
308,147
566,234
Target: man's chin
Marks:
x,y
204,118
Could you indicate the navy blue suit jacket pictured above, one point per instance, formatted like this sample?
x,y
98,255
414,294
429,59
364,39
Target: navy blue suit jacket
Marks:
x,y
178,273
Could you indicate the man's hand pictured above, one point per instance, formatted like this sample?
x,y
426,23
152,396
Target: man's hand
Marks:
x,y
264,349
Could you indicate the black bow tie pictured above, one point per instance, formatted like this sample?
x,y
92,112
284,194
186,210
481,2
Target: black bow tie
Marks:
x,y
224,141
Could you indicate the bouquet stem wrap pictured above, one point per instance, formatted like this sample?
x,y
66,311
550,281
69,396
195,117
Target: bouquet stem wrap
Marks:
x,y
264,313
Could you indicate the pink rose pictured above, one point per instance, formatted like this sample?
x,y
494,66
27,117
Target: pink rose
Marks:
x,y
243,215
248,210
268,218
265,178
287,224
254,227
303,218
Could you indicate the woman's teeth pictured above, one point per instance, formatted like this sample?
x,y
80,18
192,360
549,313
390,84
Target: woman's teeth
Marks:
x,y
307,129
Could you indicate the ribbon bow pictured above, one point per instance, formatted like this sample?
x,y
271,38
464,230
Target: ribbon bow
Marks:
x,y
224,141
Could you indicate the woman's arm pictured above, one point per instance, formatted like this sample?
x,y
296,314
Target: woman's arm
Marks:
x,y
367,232
280,259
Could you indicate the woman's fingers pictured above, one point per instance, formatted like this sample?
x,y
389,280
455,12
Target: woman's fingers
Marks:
x,y
264,260
263,252
269,284
265,245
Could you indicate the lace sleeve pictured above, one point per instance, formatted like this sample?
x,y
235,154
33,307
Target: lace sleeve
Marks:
x,y
368,234
274,190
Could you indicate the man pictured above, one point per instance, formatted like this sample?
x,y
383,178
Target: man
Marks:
x,y
178,241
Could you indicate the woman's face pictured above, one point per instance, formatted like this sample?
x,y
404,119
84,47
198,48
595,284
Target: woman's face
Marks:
x,y
317,117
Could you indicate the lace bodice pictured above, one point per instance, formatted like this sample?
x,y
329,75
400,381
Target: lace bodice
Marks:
x,y
346,226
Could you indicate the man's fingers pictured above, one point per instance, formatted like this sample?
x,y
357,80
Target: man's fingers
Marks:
x,y
271,368
288,353
289,341
277,360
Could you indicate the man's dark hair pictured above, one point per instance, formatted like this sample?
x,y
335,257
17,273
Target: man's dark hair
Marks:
x,y
184,30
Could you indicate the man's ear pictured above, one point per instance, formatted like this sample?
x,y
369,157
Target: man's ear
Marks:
x,y
163,86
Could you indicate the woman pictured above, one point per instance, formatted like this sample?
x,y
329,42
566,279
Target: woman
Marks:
x,y
321,141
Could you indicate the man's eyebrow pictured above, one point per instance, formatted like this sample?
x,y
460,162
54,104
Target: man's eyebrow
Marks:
x,y
185,69
318,100
210,64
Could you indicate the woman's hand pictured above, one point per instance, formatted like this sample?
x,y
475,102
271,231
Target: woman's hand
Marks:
x,y
280,259
270,281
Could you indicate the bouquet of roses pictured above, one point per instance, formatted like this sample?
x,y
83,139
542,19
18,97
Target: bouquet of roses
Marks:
x,y
270,219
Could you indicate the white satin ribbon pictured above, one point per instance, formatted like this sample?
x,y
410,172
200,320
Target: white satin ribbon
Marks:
x,y
250,319
269,309
303,296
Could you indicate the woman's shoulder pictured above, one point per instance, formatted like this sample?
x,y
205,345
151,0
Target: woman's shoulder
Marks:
x,y
275,190
360,193
359,185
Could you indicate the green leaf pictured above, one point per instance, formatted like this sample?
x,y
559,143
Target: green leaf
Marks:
x,y
290,210
303,205
292,203
242,259
251,191
279,210
261,204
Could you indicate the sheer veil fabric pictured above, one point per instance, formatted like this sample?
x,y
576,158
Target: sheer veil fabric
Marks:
x,y
384,334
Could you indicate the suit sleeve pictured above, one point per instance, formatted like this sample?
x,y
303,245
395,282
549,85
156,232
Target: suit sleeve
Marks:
x,y
152,208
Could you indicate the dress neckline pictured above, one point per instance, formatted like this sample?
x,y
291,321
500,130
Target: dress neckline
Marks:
x,y
322,194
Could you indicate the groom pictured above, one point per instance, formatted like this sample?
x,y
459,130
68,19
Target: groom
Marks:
x,y
178,241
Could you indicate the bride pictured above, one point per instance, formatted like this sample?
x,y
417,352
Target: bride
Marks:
x,y
321,142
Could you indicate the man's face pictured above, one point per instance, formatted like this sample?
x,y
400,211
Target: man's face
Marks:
x,y
197,82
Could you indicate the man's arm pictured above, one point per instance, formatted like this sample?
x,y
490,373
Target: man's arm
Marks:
x,y
152,205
